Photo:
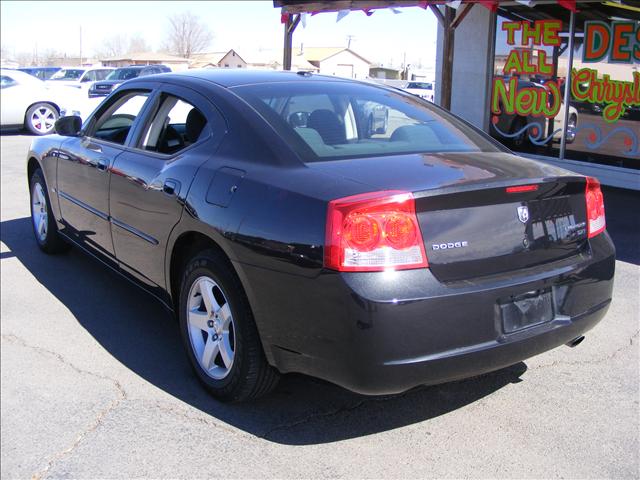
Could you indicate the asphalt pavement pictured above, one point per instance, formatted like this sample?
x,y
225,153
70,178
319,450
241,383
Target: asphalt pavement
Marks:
x,y
94,384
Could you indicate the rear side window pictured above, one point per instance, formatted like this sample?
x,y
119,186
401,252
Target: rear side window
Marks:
x,y
176,125
334,120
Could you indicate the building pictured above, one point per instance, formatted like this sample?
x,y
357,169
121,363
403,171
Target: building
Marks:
x,y
226,59
385,73
147,58
272,60
69,61
339,61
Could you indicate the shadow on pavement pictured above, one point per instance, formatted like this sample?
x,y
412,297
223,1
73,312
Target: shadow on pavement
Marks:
x,y
139,333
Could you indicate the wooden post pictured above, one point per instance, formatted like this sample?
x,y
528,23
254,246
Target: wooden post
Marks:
x,y
447,57
289,27
567,84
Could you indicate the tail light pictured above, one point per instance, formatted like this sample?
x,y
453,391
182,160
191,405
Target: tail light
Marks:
x,y
595,207
374,232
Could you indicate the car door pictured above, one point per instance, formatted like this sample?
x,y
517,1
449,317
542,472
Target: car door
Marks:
x,y
150,180
9,112
84,165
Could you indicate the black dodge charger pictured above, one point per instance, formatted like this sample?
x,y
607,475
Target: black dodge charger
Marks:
x,y
287,235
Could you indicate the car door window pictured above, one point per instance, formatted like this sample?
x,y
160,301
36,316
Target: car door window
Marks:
x,y
176,125
89,77
101,74
115,122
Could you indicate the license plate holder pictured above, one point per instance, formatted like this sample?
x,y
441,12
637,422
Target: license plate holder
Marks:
x,y
527,310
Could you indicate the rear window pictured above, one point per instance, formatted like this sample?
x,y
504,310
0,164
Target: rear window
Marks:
x,y
333,120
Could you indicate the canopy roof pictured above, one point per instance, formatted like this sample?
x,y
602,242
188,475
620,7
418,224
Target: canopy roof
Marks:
x,y
515,10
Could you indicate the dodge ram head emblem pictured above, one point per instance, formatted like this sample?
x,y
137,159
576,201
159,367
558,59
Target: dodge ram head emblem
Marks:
x,y
523,213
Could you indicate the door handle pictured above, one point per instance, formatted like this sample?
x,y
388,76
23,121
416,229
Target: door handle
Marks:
x,y
94,148
171,187
103,164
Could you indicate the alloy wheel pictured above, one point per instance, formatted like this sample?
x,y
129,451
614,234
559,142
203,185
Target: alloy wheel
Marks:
x,y
39,213
211,328
43,119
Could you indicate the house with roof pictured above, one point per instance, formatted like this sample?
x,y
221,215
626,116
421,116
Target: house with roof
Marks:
x,y
339,61
226,59
271,59
147,58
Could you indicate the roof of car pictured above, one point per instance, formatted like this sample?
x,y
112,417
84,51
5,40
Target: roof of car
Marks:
x,y
241,76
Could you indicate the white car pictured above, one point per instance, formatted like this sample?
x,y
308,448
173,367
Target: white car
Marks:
x,y
421,89
26,101
79,77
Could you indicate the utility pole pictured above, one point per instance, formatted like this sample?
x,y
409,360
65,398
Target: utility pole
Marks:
x,y
349,38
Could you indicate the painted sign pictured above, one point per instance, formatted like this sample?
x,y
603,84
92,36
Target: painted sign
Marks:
x,y
618,42
532,103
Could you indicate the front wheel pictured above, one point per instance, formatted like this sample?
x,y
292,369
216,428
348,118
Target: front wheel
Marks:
x,y
41,118
44,224
219,333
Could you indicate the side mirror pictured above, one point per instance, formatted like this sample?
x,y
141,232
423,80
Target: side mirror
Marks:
x,y
68,126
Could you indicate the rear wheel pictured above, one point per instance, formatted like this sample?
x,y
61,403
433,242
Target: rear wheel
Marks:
x,y
571,129
520,140
44,224
219,333
41,118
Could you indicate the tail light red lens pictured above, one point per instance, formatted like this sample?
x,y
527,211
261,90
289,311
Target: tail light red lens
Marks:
x,y
374,232
522,188
595,208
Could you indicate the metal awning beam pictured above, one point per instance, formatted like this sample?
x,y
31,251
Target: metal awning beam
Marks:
x,y
318,6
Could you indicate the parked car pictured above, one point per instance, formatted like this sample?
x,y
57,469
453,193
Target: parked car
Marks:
x,y
28,103
424,90
513,123
120,75
319,249
42,73
79,77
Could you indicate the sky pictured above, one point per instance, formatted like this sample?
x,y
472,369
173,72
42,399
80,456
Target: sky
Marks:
x,y
242,25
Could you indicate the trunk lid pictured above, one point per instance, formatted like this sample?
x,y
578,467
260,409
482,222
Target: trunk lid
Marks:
x,y
471,225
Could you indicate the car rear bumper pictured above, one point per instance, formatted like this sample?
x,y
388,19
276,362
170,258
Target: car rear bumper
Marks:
x,y
382,333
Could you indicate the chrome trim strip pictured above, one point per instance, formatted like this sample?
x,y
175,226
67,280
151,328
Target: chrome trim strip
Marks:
x,y
134,231
113,221
89,208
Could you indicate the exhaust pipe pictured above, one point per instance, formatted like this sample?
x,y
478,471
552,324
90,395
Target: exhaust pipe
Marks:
x,y
575,342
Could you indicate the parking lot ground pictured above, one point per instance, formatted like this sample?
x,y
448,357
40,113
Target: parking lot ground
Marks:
x,y
94,384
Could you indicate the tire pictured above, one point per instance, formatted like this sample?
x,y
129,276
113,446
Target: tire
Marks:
x,y
572,123
45,228
218,331
520,141
41,118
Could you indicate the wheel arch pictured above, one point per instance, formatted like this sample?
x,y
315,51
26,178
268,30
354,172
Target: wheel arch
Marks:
x,y
186,245
32,165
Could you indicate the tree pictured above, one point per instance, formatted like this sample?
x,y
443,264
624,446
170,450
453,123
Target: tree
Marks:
x,y
187,35
121,44
138,44
113,46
